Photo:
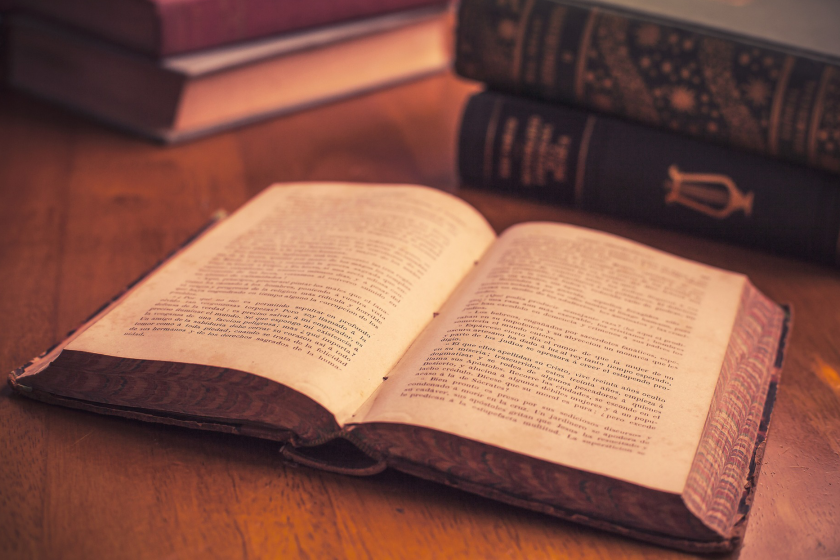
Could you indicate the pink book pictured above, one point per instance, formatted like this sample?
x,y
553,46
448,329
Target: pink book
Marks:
x,y
166,27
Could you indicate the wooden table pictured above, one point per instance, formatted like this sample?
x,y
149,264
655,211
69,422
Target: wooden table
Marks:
x,y
84,210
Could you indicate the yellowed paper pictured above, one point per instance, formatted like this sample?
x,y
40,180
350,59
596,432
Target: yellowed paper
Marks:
x,y
321,287
575,347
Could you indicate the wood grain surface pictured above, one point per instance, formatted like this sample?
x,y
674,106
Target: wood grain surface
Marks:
x,y
85,209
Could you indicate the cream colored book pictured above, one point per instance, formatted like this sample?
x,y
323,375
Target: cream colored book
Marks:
x,y
553,367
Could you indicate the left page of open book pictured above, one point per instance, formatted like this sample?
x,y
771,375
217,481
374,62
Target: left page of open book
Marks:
x,y
320,287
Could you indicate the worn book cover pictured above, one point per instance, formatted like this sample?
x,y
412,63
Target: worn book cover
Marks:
x,y
553,367
756,74
565,155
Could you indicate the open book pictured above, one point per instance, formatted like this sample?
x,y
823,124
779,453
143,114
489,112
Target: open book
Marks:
x,y
556,368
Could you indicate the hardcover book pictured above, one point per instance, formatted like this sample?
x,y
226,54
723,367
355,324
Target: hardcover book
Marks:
x,y
757,74
169,27
564,155
183,97
552,367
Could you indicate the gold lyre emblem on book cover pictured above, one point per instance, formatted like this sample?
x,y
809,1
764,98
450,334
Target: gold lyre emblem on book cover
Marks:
x,y
712,194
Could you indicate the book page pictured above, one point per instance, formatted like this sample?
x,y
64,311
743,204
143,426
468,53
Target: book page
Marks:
x,y
576,347
320,287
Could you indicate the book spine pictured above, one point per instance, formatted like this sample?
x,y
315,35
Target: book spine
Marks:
x,y
568,156
720,89
197,24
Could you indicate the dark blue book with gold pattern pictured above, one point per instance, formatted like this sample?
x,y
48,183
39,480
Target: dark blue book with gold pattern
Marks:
x,y
758,74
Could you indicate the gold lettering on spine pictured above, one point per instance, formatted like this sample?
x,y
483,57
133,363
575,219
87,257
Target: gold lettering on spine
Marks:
x,y
516,61
583,53
778,100
817,113
489,140
531,132
552,157
582,153
542,152
508,136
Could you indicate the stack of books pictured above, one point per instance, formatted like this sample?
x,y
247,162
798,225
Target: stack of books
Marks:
x,y
176,70
716,118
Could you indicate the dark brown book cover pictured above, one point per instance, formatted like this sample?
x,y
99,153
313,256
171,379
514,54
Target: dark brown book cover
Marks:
x,y
764,77
564,155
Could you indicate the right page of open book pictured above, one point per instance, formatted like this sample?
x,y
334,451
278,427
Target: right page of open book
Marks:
x,y
575,347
